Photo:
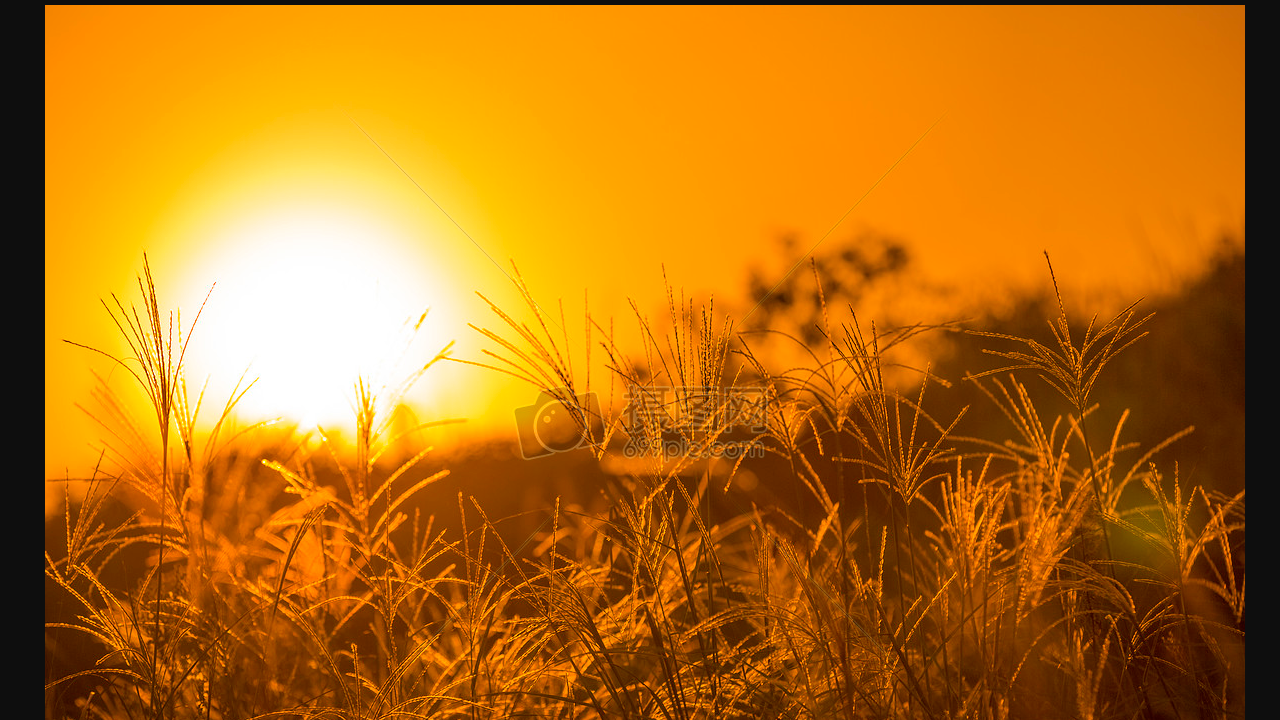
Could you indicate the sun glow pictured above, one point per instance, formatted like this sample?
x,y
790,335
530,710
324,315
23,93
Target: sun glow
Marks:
x,y
307,300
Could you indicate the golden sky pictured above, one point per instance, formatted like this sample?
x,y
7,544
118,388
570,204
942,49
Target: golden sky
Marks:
x,y
593,146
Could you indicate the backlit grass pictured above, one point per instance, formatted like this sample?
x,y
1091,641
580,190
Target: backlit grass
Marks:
x,y
895,568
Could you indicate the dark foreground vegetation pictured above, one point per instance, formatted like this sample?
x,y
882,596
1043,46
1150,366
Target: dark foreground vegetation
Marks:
x,y
992,536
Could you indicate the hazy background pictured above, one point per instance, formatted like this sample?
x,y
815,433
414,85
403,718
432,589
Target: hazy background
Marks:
x,y
594,147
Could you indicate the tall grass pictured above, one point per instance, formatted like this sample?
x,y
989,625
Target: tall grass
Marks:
x,y
903,568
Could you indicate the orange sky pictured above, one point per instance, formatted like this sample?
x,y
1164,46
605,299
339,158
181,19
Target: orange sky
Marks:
x,y
593,146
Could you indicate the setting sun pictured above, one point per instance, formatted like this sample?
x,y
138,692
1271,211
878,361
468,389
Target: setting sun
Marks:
x,y
307,300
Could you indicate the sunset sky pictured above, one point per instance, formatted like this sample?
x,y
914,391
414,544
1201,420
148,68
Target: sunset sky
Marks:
x,y
337,170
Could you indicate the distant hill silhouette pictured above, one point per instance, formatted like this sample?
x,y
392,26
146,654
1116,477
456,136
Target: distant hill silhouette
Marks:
x,y
1188,371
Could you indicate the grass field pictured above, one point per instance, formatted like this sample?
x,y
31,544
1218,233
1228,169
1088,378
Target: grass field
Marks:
x,y
864,550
